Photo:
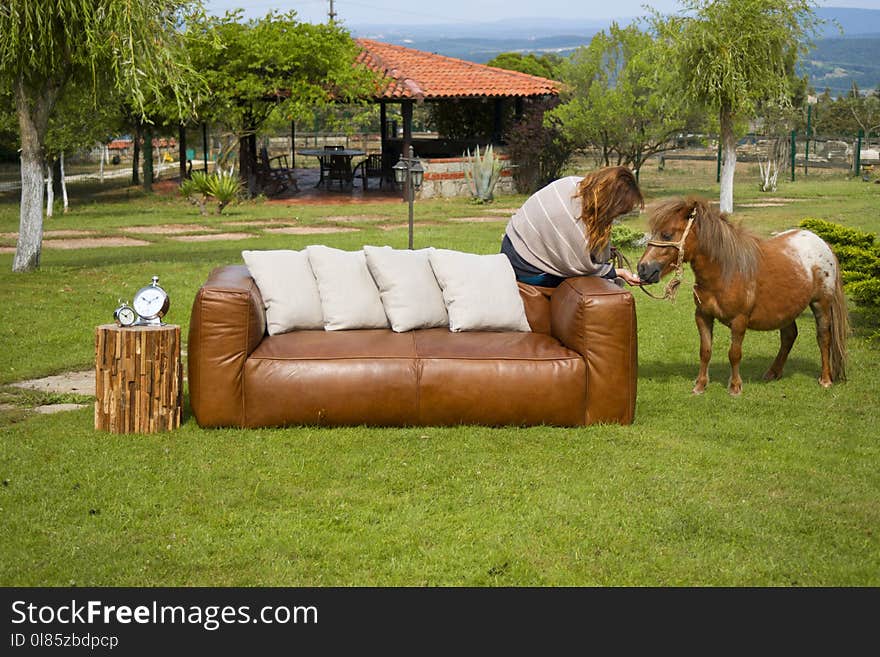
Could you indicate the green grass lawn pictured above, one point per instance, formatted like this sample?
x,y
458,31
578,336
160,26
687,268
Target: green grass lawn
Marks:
x,y
778,487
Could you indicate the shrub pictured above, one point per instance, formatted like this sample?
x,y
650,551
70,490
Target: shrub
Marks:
x,y
537,147
224,188
624,237
482,173
836,234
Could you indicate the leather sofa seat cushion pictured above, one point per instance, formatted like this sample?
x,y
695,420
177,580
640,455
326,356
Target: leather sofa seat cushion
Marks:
x,y
498,379
330,345
430,376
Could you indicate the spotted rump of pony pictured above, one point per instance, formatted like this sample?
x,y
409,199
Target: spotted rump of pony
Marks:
x,y
733,247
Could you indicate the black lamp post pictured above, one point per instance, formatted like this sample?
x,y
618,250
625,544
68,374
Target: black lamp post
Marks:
x,y
409,172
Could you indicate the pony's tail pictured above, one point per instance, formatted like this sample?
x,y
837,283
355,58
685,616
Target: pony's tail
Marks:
x,y
839,331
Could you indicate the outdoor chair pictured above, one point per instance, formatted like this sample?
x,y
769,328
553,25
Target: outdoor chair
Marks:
x,y
275,174
336,168
371,167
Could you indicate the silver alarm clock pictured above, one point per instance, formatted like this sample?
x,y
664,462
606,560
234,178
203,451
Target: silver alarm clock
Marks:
x,y
151,304
124,314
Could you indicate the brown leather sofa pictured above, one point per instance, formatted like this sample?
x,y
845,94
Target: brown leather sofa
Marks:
x,y
577,367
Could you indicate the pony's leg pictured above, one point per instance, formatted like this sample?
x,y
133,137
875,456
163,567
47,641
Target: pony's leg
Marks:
x,y
787,336
705,324
822,312
734,354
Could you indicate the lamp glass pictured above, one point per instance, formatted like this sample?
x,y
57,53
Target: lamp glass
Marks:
x,y
400,172
418,174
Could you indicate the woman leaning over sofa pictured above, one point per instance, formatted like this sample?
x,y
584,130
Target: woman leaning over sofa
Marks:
x,y
564,229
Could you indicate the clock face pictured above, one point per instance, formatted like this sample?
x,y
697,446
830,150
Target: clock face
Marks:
x,y
126,316
149,302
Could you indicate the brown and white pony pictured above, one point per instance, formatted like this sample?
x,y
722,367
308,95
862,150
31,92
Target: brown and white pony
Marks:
x,y
749,283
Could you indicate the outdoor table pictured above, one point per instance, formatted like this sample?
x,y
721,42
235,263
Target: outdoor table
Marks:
x,y
323,155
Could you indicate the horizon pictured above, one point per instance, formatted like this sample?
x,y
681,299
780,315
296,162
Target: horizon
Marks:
x,y
393,13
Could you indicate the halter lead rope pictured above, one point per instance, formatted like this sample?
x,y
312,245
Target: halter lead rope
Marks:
x,y
673,284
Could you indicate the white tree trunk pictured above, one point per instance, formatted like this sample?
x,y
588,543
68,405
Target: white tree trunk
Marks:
x,y
158,162
64,185
33,108
101,164
728,161
50,184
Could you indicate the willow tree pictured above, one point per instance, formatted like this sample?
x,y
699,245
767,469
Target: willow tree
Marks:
x,y
47,44
731,55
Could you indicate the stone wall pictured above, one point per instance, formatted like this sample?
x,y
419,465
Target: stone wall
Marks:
x,y
444,177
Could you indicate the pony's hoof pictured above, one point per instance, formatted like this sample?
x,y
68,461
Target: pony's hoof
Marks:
x,y
825,383
772,375
699,389
735,390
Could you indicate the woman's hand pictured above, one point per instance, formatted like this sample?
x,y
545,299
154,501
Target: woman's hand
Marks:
x,y
629,277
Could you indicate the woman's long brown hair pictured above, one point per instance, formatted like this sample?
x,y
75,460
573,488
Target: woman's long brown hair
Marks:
x,y
605,195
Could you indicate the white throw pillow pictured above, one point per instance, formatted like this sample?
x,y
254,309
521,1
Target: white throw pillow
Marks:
x,y
480,291
349,296
409,291
288,287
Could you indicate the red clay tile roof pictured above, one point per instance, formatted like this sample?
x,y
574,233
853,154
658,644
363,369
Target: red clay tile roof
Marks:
x,y
422,75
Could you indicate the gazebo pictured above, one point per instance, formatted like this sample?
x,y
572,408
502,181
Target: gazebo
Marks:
x,y
410,76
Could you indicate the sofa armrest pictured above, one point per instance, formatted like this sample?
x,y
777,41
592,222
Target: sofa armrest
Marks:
x,y
597,319
228,321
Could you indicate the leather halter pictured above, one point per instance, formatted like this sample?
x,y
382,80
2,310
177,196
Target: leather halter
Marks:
x,y
675,281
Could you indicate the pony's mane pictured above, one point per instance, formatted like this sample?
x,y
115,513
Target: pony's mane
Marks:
x,y
733,247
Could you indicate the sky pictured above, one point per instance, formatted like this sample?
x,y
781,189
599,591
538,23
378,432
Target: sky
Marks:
x,y
396,12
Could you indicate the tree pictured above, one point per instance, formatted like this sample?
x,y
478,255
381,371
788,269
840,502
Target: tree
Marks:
x,y
538,146
46,44
732,54
619,99
274,64
84,116
545,66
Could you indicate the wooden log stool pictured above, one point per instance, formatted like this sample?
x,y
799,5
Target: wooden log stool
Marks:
x,y
138,378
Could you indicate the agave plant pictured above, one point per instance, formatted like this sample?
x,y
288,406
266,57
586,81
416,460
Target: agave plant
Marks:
x,y
482,173
224,187
197,190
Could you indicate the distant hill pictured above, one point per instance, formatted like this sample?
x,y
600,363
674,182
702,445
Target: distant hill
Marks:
x,y
835,63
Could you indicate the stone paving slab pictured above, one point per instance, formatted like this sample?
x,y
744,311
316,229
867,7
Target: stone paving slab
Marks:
x,y
81,383
93,242
49,409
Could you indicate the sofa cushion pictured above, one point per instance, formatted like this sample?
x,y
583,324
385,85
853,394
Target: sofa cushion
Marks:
x,y
499,379
332,378
330,345
409,291
349,296
433,376
480,291
288,287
